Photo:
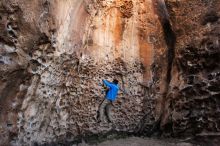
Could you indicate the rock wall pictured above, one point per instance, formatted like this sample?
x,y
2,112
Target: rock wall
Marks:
x,y
54,55
193,105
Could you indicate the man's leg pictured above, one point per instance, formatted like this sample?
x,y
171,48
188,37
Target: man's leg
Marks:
x,y
101,110
108,111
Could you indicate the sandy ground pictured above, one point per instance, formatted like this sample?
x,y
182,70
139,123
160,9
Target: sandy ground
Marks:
x,y
136,141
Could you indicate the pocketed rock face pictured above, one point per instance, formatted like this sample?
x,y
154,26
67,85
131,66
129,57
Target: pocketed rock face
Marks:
x,y
66,97
193,98
54,55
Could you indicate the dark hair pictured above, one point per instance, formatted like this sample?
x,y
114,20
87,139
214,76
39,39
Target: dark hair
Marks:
x,y
115,81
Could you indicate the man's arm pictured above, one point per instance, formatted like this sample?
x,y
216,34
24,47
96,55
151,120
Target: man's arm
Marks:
x,y
107,83
123,90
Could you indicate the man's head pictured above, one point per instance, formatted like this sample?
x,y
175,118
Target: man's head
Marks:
x,y
115,81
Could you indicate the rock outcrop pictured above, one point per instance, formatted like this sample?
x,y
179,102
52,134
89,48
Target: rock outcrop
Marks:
x,y
54,55
193,97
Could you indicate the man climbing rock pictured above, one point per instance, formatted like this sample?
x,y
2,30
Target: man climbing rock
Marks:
x,y
111,95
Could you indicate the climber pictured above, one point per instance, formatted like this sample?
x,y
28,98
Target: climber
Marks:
x,y
111,95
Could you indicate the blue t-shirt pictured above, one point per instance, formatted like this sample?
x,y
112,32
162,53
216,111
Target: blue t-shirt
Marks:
x,y
113,90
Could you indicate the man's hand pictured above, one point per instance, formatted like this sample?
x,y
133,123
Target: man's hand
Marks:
x,y
144,84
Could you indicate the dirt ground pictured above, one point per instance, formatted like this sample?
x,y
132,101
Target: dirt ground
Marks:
x,y
136,141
